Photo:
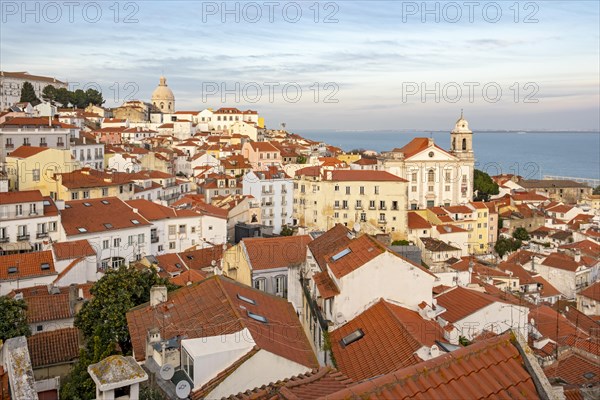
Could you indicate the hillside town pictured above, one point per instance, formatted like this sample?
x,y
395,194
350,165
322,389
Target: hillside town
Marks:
x,y
148,252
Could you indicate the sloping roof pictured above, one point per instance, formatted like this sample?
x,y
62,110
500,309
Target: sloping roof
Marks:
x,y
154,211
277,252
48,307
592,291
573,369
335,238
53,347
72,250
350,175
311,385
461,302
212,307
392,335
188,277
24,196
26,151
492,368
28,265
81,217
415,221
416,146
325,285
202,258
358,252
433,244
561,261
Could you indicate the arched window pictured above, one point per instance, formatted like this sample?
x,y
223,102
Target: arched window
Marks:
x,y
169,105
259,283
281,285
431,176
454,144
464,144
162,105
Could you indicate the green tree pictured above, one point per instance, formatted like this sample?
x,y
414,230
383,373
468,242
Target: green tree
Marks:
x,y
94,97
596,190
521,234
49,93
79,385
506,245
400,243
13,320
286,231
28,95
484,186
114,294
301,159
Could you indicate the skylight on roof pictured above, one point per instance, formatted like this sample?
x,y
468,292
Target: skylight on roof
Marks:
x,y
353,337
46,202
104,202
87,204
246,299
45,266
135,222
80,229
108,225
190,257
178,265
13,270
257,317
67,206
341,254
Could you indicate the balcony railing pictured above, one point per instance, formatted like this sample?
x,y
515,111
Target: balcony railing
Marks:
x,y
4,239
10,145
41,235
43,144
60,144
153,239
21,238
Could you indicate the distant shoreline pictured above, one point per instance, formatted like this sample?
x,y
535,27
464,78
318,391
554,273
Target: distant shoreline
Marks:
x,y
301,131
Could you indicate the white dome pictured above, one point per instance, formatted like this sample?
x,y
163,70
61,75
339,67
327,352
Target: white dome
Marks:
x,y
162,91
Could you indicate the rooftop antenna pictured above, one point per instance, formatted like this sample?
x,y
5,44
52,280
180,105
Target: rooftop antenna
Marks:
x,y
461,113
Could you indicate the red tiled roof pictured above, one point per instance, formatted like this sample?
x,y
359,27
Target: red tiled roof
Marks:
x,y
362,250
415,221
212,308
53,347
31,121
154,211
458,210
197,203
461,302
518,271
263,146
491,368
364,175
392,335
571,369
334,239
445,229
312,385
90,178
202,258
592,292
26,151
25,196
188,277
366,161
309,171
28,265
325,285
561,261
93,218
72,250
278,252
415,146
547,289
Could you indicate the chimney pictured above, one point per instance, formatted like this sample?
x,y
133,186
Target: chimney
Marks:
x,y
577,256
158,294
430,142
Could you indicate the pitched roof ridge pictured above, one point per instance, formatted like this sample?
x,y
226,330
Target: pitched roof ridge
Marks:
x,y
68,268
407,332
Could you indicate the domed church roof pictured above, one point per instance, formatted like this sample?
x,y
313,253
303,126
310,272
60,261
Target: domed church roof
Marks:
x,y
162,91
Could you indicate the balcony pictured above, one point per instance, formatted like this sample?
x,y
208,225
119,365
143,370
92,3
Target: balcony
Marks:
x,y
60,144
43,144
21,238
4,239
154,240
9,145
41,235
382,222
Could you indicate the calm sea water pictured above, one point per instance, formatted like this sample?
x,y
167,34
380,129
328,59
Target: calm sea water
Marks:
x,y
529,154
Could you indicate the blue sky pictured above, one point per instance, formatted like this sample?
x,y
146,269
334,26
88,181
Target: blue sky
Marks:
x,y
375,58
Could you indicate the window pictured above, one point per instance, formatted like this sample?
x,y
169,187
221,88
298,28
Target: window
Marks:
x,y
413,177
105,244
394,205
362,190
260,284
140,238
187,363
171,245
351,338
19,209
74,195
413,189
104,192
130,240
52,226
381,217
182,229
86,194
32,209
281,285
347,189
336,204
382,205
431,176
345,204
358,204
336,188
116,242
172,229
36,175
257,317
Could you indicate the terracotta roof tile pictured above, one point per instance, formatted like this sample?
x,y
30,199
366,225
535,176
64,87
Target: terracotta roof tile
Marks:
x,y
415,221
592,292
334,239
325,285
361,250
313,384
492,368
48,307
53,347
26,265
188,277
392,335
72,250
92,215
461,302
26,151
364,175
561,261
277,252
212,308
572,368
202,258
24,196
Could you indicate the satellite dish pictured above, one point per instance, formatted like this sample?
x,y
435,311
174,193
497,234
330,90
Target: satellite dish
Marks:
x,y
183,389
356,227
166,372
